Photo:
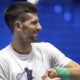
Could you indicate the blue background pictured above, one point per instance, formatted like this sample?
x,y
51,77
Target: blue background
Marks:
x,y
60,20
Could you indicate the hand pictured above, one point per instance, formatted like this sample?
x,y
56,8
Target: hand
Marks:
x,y
50,73
47,78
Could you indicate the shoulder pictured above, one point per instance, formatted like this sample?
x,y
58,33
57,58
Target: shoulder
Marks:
x,y
4,56
4,51
45,47
42,44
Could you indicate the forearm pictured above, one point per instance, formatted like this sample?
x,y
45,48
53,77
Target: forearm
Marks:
x,y
71,71
75,73
65,73
74,70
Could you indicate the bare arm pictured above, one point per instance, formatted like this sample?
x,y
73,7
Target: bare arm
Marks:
x,y
73,67
74,70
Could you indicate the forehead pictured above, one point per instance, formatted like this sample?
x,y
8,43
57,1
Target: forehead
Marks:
x,y
31,16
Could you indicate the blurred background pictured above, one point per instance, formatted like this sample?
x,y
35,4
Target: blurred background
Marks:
x,y
60,20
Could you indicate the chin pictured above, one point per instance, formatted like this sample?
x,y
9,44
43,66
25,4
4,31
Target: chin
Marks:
x,y
34,40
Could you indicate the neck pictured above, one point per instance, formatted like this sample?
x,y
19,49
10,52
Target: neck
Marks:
x,y
21,48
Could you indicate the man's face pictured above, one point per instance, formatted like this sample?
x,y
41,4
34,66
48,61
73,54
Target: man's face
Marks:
x,y
30,28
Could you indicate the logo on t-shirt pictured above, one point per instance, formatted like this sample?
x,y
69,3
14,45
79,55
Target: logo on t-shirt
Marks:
x,y
28,72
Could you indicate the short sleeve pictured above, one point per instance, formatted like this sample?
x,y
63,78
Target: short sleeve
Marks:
x,y
56,57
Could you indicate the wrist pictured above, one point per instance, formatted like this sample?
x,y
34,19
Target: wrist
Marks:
x,y
63,72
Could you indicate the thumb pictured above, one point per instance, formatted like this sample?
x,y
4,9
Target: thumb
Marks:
x,y
45,74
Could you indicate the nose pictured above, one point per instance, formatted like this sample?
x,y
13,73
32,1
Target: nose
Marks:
x,y
39,27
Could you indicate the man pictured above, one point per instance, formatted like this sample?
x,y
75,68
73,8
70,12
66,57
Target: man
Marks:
x,y
24,58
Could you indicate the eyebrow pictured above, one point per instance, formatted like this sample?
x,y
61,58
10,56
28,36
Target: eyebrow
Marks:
x,y
34,21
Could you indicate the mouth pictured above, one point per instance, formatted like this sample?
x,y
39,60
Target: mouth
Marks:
x,y
35,33
34,36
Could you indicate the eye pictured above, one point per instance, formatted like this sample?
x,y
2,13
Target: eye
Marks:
x,y
34,22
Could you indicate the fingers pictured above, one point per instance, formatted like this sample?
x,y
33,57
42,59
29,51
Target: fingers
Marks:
x,y
45,74
47,78
51,73
56,79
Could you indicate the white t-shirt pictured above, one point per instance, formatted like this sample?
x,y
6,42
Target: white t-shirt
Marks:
x,y
43,56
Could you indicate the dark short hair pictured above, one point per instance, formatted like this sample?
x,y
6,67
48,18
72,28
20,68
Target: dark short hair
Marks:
x,y
16,11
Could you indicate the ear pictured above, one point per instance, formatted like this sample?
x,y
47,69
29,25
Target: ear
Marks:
x,y
17,25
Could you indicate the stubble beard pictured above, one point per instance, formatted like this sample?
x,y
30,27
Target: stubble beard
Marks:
x,y
29,40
